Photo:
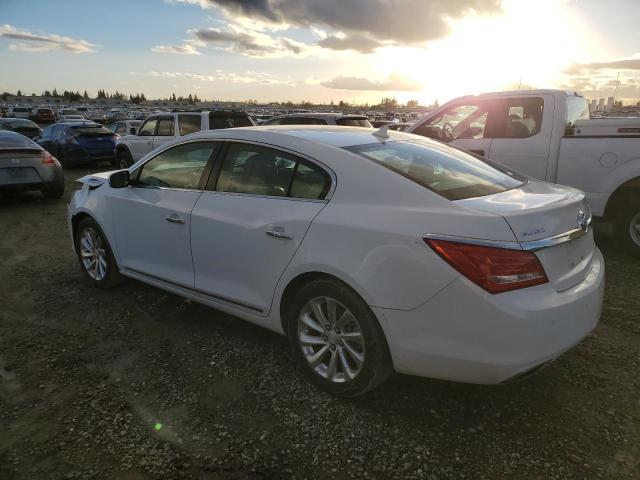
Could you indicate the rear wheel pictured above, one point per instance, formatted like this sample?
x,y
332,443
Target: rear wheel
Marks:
x,y
95,255
627,228
123,159
337,339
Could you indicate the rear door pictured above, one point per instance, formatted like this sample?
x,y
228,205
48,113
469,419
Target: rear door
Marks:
x,y
463,125
521,134
249,223
153,217
165,131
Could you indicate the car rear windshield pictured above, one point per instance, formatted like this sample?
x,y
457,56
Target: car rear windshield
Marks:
x,y
18,123
70,112
449,172
88,130
354,122
228,120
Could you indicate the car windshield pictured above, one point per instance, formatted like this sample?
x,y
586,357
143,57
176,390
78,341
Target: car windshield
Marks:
x,y
449,172
90,130
353,122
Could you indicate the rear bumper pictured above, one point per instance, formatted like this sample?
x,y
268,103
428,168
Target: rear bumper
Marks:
x,y
84,155
465,334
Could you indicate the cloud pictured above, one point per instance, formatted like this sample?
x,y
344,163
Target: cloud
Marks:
x,y
39,42
358,42
393,83
623,64
248,42
248,77
404,22
184,49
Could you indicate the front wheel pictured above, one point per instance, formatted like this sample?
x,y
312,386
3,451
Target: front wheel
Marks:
x,y
123,160
337,339
627,228
95,255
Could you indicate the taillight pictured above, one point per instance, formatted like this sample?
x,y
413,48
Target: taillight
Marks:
x,y
494,269
48,159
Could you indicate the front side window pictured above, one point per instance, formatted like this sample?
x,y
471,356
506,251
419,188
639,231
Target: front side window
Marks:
x,y
449,172
256,170
461,121
178,167
165,127
149,127
189,124
518,117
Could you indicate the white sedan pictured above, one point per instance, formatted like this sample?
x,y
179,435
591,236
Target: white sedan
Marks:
x,y
372,251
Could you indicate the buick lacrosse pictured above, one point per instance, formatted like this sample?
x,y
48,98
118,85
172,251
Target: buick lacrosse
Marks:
x,y
372,251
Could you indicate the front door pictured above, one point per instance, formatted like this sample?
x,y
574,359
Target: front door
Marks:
x,y
141,144
164,133
462,125
153,217
246,228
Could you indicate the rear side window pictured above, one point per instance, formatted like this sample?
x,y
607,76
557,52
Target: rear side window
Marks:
x,y
310,181
353,122
577,109
189,124
518,118
165,127
449,172
302,121
228,120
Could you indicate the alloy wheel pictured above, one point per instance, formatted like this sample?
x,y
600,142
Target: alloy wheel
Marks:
x,y
93,254
331,339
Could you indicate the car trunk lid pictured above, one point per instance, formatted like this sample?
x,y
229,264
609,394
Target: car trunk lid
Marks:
x,y
551,220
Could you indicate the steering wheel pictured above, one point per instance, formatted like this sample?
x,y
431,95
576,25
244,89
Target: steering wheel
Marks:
x,y
447,131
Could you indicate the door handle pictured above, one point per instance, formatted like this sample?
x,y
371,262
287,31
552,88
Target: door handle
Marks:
x,y
278,233
174,219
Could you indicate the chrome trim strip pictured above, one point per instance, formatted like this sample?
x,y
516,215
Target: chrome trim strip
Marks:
x,y
475,241
534,245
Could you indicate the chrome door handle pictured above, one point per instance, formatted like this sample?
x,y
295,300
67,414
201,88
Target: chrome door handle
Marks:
x,y
279,234
174,219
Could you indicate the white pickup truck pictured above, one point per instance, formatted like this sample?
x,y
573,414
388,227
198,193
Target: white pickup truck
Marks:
x,y
161,128
547,134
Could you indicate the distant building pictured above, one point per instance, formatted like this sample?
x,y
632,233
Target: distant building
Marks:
x,y
610,102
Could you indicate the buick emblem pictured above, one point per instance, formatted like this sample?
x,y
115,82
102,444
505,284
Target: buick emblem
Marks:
x,y
584,218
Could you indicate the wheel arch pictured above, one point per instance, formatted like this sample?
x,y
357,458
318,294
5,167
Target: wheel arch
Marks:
x,y
620,196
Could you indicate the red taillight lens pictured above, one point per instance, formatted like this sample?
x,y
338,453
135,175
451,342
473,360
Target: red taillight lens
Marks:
x,y
48,159
494,269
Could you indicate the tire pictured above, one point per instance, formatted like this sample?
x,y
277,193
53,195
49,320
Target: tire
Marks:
x,y
627,227
123,160
342,344
107,274
54,189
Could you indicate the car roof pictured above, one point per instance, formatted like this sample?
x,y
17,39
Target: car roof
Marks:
x,y
335,136
11,140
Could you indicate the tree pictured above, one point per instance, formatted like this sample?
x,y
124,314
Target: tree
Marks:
x,y
85,95
55,93
413,104
173,97
19,94
190,99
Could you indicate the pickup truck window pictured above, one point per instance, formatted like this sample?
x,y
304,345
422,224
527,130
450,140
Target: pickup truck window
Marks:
x,y
165,127
189,124
149,127
518,117
577,109
451,173
460,121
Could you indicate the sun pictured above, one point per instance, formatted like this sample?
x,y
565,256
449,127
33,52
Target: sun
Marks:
x,y
528,44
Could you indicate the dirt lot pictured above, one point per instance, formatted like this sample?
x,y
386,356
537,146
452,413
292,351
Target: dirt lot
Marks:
x,y
136,383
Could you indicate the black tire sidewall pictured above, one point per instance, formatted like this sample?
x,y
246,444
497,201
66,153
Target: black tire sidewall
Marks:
x,y
623,223
113,277
123,157
377,364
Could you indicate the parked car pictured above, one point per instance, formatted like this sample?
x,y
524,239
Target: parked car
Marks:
x,y
161,128
18,112
547,134
43,114
21,125
79,142
125,127
24,165
69,114
371,252
316,118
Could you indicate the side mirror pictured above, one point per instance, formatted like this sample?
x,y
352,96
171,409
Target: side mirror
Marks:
x,y
119,179
133,130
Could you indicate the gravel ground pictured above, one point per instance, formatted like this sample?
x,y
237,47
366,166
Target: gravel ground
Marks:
x,y
136,383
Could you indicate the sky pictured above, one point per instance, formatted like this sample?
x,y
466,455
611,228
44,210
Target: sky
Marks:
x,y
321,50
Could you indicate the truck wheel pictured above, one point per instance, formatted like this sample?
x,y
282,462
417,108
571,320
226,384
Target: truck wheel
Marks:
x,y
627,228
123,159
